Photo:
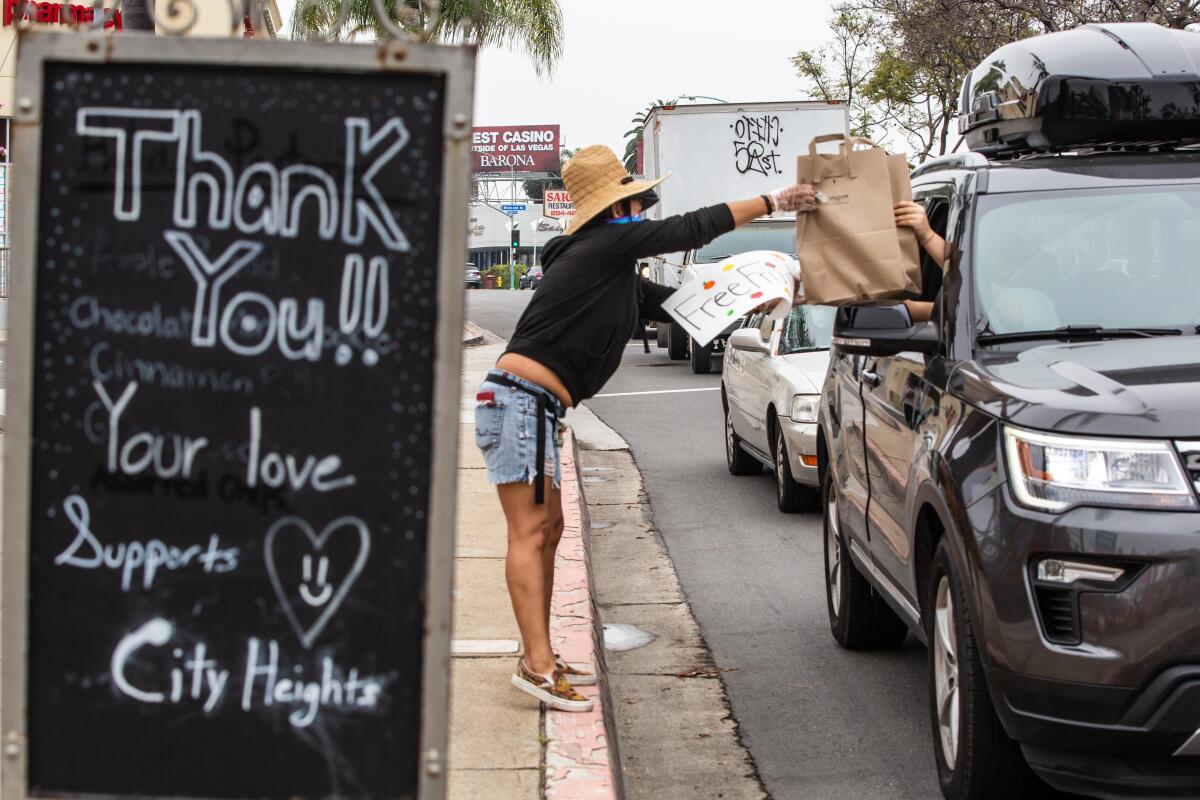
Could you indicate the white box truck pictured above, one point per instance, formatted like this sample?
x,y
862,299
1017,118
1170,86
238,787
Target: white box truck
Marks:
x,y
727,151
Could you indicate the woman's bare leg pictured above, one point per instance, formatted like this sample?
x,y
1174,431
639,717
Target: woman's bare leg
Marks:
x,y
531,529
554,501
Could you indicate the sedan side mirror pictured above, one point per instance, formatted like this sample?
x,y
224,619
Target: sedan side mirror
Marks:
x,y
747,339
882,331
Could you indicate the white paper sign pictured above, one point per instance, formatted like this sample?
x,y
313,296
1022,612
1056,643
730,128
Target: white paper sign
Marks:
x,y
730,288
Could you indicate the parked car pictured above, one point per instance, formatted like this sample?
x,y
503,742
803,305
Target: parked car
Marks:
x,y
1016,483
770,390
474,281
766,234
531,279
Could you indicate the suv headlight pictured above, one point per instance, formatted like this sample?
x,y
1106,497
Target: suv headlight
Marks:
x,y
1054,473
804,407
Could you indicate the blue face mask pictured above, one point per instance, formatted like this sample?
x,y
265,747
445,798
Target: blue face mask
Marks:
x,y
625,220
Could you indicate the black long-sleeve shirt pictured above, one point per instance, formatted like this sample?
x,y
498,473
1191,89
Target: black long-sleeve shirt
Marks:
x,y
591,297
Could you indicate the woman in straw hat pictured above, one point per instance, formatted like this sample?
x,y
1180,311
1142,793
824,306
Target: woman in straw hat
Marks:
x,y
567,344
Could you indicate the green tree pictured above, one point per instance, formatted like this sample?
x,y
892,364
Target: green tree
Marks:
x,y
900,64
1057,15
841,69
535,188
633,136
535,26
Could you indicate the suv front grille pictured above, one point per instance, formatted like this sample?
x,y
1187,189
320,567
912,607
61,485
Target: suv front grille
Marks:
x,y
1060,614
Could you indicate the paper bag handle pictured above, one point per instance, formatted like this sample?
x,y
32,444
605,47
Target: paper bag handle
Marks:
x,y
853,140
816,158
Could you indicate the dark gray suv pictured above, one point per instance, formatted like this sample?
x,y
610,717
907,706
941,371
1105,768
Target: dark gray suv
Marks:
x,y
1017,481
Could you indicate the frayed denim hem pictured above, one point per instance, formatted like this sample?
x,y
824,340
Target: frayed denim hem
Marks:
x,y
529,476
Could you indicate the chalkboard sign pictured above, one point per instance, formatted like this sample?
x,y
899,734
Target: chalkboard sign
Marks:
x,y
234,418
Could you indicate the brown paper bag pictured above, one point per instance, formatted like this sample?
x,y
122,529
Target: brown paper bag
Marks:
x,y
849,248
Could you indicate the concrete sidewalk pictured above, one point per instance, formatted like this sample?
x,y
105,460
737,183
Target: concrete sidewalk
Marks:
x,y
503,746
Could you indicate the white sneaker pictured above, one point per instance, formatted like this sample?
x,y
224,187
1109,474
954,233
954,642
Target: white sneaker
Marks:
x,y
577,676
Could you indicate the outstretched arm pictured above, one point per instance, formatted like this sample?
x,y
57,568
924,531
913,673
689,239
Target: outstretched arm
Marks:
x,y
698,228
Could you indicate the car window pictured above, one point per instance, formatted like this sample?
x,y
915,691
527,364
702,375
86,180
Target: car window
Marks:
x,y
780,237
765,326
938,211
753,321
807,328
1119,257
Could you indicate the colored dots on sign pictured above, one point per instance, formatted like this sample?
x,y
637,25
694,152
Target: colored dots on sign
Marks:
x,y
756,295
709,284
729,313
727,268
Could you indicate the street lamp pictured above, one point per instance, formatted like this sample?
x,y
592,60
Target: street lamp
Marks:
x,y
701,97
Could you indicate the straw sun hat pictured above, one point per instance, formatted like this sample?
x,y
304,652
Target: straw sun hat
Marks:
x,y
595,180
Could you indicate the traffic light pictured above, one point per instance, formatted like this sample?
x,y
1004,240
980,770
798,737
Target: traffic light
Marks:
x,y
516,237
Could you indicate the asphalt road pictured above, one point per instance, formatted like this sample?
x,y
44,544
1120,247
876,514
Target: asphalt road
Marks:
x,y
819,721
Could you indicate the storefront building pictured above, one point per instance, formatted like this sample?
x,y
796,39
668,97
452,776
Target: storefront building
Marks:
x,y
489,231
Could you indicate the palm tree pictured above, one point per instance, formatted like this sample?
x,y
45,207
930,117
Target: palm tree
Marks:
x,y
633,136
535,26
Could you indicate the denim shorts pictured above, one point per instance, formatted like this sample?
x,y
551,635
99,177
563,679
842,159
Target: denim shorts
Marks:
x,y
506,427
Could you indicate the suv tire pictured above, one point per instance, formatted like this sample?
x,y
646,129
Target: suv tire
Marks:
x,y
660,333
790,495
700,357
738,460
677,340
975,757
859,617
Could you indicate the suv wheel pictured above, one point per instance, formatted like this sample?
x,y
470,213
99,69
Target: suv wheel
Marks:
x,y
676,342
701,357
738,460
975,757
660,333
859,617
790,496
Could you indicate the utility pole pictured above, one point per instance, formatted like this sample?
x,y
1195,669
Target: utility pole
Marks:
x,y
512,268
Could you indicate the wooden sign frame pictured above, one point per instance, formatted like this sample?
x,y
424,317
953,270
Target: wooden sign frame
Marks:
x,y
456,66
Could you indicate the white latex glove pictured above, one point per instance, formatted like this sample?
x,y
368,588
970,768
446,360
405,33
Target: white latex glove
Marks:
x,y
797,197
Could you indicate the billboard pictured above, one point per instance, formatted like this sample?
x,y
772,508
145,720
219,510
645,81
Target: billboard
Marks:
x,y
515,148
558,204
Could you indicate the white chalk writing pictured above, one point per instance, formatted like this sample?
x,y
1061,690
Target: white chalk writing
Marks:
x,y
276,470
262,198
347,526
145,450
87,552
194,675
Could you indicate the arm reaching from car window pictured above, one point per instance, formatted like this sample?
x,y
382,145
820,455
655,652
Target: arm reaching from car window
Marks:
x,y
912,215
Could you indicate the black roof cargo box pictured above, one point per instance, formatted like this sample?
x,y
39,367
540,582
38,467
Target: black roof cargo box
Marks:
x,y
1129,83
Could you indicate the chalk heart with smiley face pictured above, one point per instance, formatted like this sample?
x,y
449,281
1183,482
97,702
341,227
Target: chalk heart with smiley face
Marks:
x,y
313,572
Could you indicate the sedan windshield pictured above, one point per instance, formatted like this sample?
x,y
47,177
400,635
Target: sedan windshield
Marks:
x,y
807,328
778,237
1108,258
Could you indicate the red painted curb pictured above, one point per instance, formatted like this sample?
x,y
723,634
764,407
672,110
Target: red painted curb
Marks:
x,y
582,760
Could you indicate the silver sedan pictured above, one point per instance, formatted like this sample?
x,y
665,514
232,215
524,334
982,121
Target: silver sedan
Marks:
x,y
771,389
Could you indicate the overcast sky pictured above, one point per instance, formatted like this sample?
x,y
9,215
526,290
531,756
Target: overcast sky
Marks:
x,y
621,54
